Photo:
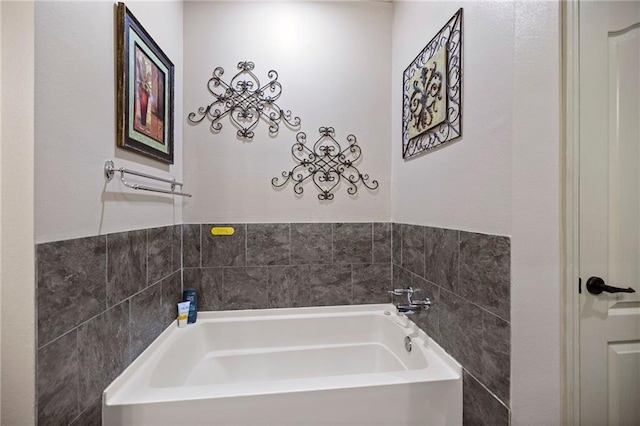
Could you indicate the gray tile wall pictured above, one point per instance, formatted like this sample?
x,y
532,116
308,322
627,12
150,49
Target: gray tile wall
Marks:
x,y
100,302
467,276
280,265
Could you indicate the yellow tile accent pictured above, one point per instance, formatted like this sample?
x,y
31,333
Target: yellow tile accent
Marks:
x,y
222,230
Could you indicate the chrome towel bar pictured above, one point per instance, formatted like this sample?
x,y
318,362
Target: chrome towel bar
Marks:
x,y
110,170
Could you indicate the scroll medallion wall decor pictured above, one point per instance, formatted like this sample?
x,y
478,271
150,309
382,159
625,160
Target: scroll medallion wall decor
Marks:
x,y
326,164
432,92
245,101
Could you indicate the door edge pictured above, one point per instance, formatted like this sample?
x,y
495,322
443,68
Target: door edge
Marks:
x,y
570,200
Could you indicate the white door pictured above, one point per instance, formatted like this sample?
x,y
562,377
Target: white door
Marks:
x,y
609,212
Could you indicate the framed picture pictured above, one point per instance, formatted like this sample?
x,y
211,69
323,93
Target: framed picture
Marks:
x,y
432,92
145,81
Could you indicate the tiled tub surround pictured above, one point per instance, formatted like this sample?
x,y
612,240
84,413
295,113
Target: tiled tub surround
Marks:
x,y
467,276
288,265
101,301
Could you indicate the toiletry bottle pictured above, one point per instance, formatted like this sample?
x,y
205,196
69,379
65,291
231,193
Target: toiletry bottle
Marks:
x,y
183,314
189,294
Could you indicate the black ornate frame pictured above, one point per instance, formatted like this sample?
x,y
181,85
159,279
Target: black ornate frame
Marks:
x,y
451,128
131,33
326,164
245,101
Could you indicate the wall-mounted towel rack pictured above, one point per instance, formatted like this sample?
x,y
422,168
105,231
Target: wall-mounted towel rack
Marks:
x,y
110,170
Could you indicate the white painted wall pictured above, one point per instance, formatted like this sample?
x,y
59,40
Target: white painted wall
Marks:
x,y
75,121
17,275
503,176
467,184
535,242
334,63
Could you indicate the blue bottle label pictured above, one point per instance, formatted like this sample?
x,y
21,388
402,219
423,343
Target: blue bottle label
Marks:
x,y
192,297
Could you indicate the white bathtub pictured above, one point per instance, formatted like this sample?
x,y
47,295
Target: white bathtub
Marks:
x,y
306,366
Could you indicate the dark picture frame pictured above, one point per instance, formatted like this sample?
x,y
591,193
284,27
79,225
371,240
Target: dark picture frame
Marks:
x,y
145,91
432,92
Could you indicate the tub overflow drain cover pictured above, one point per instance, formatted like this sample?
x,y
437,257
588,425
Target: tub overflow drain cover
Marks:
x,y
407,343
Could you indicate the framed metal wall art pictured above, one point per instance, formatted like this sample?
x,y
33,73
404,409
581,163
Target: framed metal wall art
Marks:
x,y
432,92
145,81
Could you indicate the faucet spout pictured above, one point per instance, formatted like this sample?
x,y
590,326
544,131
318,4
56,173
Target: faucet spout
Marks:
x,y
407,309
403,307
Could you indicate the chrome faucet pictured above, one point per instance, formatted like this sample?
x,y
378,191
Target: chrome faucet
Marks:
x,y
412,306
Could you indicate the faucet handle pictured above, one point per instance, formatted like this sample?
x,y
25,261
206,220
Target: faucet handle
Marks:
x,y
401,291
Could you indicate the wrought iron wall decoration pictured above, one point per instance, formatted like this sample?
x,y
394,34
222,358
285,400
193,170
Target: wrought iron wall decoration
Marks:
x,y
326,164
432,88
245,101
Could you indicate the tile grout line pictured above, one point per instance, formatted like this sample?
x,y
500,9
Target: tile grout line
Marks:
x,y
373,243
482,341
201,240
129,351
50,342
465,230
173,255
222,289
94,317
106,272
181,259
457,295
332,261
290,244
424,251
161,279
146,257
77,375
401,229
161,300
459,243
36,337
487,389
351,297
438,316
